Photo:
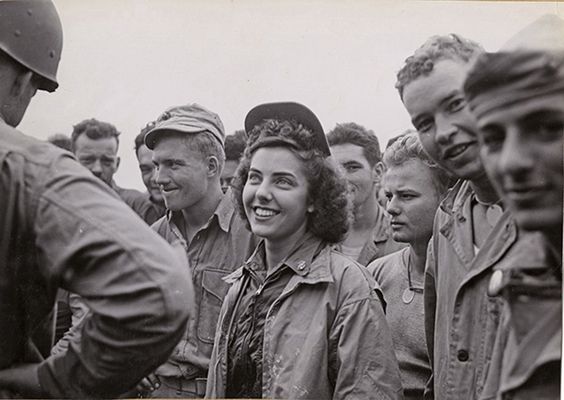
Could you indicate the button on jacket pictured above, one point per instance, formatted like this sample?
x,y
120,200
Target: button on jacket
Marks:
x,y
461,320
216,250
61,226
325,336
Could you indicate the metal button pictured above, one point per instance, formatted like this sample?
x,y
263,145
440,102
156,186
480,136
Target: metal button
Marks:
x,y
462,355
301,265
496,283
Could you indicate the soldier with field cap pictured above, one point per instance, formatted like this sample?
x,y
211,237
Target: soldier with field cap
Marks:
x,y
517,97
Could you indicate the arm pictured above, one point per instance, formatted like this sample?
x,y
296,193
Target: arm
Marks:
x,y
137,287
366,363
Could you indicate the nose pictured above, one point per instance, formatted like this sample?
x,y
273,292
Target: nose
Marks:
x,y
263,193
445,129
96,168
516,157
153,178
160,176
392,206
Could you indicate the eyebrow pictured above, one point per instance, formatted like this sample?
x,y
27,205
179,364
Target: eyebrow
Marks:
x,y
274,173
449,97
169,160
351,162
543,113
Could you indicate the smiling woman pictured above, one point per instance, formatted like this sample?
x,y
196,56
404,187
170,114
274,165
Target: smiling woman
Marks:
x,y
300,319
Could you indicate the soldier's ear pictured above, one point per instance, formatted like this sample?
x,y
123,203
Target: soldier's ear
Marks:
x,y
213,166
379,169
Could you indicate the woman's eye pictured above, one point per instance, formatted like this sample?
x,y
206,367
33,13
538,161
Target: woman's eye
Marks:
x,y
283,182
253,178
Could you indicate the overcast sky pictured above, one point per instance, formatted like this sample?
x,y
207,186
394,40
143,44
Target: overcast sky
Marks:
x,y
125,61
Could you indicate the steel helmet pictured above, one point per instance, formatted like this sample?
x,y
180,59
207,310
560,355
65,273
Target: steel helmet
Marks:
x,y
31,33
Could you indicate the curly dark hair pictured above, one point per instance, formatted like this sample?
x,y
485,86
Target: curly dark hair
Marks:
x,y
94,129
327,189
436,48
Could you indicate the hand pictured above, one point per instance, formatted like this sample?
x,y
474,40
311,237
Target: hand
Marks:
x,y
22,379
149,384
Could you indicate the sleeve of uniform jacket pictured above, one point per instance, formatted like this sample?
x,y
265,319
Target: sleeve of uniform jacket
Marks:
x,y
367,367
429,305
137,287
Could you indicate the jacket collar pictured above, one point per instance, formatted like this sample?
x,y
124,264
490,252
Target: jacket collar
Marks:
x,y
457,228
456,196
310,261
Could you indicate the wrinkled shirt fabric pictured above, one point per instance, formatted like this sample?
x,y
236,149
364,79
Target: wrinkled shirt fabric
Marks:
x,y
220,247
406,321
244,361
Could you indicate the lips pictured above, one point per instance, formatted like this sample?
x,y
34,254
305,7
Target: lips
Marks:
x,y
456,150
167,190
262,212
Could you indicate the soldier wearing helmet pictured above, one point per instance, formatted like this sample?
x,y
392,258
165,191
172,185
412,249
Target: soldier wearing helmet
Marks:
x,y
62,227
31,41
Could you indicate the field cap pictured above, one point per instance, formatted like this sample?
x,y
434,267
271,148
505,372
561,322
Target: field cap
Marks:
x,y
189,118
544,34
528,66
289,111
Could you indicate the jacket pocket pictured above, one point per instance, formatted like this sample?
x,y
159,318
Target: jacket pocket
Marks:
x,y
214,289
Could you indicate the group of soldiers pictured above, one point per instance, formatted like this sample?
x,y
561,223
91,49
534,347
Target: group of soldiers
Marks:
x,y
283,262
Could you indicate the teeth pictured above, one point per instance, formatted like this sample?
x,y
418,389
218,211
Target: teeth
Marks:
x,y
458,150
261,212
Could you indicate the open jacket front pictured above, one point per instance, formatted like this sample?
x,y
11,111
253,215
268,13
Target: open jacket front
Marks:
x,y
325,336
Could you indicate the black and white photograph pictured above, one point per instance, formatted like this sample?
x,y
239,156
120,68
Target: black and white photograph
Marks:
x,y
301,199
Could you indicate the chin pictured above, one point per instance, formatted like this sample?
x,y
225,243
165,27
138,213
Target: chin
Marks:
x,y
157,197
398,237
471,171
171,206
260,231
